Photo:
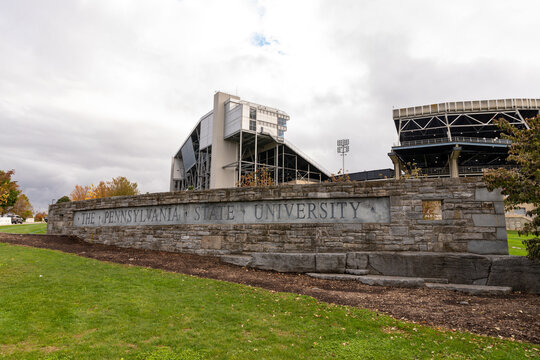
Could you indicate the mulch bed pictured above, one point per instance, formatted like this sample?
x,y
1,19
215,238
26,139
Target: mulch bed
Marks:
x,y
515,316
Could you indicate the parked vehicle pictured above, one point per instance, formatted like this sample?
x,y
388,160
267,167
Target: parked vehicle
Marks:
x,y
15,219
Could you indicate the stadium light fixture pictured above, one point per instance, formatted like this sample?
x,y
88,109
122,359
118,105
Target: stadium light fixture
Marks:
x,y
343,149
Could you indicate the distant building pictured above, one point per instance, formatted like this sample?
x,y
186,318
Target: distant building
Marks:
x,y
517,218
237,138
457,138
371,175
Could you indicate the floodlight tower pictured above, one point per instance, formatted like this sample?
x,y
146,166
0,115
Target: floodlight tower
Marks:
x,y
343,149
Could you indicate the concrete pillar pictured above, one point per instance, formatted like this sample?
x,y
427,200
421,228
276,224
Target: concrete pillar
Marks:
x,y
453,163
397,165
223,152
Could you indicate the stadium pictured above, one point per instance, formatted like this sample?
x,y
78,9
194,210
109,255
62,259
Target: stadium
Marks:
x,y
457,138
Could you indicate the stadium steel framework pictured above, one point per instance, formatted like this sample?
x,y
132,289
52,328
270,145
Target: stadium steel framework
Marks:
x,y
457,138
237,138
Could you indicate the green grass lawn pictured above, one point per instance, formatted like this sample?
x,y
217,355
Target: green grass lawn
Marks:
x,y
61,306
38,228
515,243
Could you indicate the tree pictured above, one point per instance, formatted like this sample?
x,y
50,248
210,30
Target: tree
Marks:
x,y
102,190
9,190
40,216
339,177
22,207
411,171
120,186
522,183
79,193
261,177
63,199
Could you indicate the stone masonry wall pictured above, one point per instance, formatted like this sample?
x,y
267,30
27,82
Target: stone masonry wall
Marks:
x,y
472,220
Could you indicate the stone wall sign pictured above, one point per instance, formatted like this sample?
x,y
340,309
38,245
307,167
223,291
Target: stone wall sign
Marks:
x,y
359,210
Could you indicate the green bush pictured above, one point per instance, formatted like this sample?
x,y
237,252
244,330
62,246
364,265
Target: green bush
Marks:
x,y
63,199
533,248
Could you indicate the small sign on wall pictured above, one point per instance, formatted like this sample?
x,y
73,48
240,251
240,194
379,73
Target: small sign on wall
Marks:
x,y
431,209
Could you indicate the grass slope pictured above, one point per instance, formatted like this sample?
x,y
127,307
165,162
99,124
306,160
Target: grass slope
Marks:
x,y
60,306
38,228
515,243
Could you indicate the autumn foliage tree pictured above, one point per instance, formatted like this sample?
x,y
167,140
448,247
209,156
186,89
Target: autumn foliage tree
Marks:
x,y
261,177
40,216
9,190
22,207
119,186
521,184
339,177
79,193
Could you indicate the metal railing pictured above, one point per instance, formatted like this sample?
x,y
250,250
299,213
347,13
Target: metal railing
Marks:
x,y
466,106
463,170
455,139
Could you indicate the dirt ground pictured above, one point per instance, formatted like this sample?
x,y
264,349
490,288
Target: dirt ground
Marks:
x,y
515,316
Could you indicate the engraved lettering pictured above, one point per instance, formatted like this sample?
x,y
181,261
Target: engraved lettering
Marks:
x,y
342,204
162,214
154,215
261,215
175,216
230,212
311,211
300,210
289,211
323,209
308,211
269,210
355,216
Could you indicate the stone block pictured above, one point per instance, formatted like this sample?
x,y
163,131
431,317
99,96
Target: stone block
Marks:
x,y
518,272
357,271
357,260
458,268
502,234
472,289
488,247
238,260
284,262
398,281
488,220
499,207
334,263
482,194
399,230
211,242
341,277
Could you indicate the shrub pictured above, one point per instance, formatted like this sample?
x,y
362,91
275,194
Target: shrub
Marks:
x,y
63,199
533,248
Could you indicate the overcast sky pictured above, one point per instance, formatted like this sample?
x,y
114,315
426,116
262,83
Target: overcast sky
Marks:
x,y
91,90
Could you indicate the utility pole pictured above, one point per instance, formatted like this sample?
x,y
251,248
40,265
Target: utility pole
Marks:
x,y
343,149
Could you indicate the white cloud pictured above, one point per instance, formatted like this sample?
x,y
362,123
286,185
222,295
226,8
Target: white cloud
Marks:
x,y
90,90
